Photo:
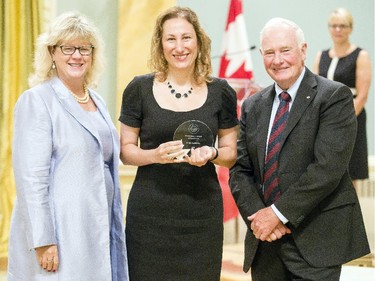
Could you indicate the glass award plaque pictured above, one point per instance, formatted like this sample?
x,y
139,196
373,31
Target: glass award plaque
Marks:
x,y
193,134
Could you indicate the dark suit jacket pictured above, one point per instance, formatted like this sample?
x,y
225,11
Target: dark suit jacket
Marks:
x,y
318,197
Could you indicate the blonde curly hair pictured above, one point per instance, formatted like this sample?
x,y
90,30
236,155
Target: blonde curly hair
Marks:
x,y
68,26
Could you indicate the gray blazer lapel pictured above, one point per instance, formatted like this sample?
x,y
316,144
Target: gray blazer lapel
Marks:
x,y
263,113
70,105
305,95
103,110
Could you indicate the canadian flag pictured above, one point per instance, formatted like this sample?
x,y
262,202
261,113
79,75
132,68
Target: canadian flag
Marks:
x,y
236,66
236,60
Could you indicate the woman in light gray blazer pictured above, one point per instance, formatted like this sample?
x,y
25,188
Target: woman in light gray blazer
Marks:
x,y
67,221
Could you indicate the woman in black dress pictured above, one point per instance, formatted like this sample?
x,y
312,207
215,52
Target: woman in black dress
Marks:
x,y
350,65
174,222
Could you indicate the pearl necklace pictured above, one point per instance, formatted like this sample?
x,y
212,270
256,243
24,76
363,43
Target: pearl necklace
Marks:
x,y
84,99
179,95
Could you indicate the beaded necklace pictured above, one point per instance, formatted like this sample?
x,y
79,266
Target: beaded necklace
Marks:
x,y
179,95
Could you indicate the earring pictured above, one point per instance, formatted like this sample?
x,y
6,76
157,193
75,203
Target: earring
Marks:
x,y
53,65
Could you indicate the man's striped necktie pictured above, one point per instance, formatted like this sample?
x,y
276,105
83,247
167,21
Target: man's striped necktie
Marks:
x,y
271,178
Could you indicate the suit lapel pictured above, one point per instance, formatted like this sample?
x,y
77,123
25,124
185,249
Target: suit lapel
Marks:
x,y
109,122
305,95
71,106
102,110
263,113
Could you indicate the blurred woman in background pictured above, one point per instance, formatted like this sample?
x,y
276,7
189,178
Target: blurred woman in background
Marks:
x,y
349,64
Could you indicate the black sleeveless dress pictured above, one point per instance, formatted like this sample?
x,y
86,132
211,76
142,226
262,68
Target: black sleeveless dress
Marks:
x,y
174,219
345,73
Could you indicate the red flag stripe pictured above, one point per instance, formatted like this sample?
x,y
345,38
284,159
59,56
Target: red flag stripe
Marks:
x,y
235,9
238,66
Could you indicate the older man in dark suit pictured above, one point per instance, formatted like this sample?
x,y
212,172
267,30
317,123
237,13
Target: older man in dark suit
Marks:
x,y
291,180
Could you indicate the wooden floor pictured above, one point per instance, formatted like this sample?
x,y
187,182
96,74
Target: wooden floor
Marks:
x,y
349,273
362,269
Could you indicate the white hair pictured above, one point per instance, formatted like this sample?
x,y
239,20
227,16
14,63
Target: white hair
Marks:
x,y
300,37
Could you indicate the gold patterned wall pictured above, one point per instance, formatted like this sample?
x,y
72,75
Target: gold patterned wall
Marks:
x,y
20,24
136,19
